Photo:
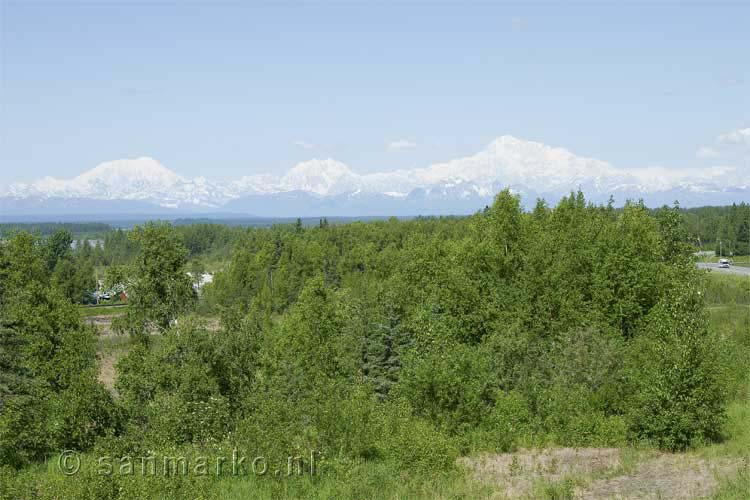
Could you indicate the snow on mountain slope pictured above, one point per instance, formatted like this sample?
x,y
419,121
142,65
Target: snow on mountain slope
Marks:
x,y
110,179
142,179
323,177
253,184
527,167
509,161
113,179
512,161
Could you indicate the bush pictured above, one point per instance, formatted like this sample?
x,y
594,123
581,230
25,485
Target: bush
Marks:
x,y
451,387
24,435
82,413
413,443
509,422
677,396
569,416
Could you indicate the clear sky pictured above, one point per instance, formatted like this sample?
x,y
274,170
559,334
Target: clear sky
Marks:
x,y
227,89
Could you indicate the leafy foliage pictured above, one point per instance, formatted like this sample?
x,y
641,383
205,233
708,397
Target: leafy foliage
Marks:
x,y
392,342
50,396
159,288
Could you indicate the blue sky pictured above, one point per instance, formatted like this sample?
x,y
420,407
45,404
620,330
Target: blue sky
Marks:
x,y
229,89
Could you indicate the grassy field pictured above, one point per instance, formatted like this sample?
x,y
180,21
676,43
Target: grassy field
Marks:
x,y
726,290
729,311
103,310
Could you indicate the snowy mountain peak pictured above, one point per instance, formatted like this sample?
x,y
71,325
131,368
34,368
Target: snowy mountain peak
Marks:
x,y
144,170
527,167
509,148
322,177
138,179
505,141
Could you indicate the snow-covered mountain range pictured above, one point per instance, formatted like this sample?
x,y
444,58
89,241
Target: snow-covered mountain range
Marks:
x,y
329,187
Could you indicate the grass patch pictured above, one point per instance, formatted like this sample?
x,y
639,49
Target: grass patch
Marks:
x,y
731,320
111,344
727,289
559,490
736,488
88,311
353,479
363,479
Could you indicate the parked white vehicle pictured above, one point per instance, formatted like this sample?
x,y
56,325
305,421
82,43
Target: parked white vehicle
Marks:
x,y
724,263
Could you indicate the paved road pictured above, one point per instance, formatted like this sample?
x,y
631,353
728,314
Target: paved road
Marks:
x,y
742,271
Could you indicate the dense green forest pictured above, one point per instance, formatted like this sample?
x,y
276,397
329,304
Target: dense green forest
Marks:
x,y
394,345
213,240
730,225
82,230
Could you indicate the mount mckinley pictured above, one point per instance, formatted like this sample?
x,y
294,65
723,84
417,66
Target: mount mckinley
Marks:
x,y
330,188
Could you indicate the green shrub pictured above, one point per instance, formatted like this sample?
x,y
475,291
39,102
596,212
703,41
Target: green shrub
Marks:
x,y
24,434
451,387
82,413
677,394
509,424
570,417
411,442
678,398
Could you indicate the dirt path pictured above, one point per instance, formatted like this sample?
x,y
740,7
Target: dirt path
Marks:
x,y
107,371
110,348
599,473
113,347
103,323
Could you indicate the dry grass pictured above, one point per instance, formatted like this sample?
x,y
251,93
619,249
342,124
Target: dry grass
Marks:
x,y
676,476
102,322
107,372
599,473
516,475
110,349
